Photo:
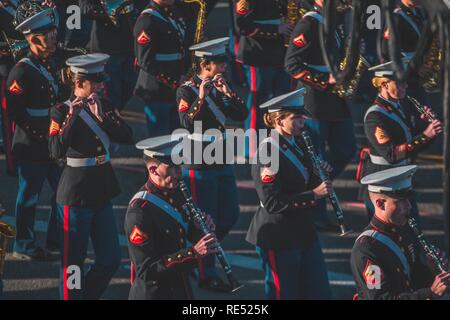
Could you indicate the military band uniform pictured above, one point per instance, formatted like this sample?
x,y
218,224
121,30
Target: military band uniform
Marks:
x,y
86,188
261,50
159,45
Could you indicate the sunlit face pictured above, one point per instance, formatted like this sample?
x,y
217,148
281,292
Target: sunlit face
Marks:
x,y
165,176
86,87
396,90
217,67
45,43
291,125
394,211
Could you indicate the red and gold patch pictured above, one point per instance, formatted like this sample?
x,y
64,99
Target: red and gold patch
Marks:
x,y
15,88
143,38
183,105
242,7
381,136
267,175
373,275
138,236
300,40
54,128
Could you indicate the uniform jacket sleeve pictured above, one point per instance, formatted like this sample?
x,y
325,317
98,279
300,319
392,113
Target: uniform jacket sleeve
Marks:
x,y
269,188
17,86
302,40
144,250
245,21
382,140
61,130
361,259
116,127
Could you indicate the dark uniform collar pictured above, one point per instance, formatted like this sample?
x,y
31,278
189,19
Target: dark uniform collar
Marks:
x,y
389,229
153,188
387,104
196,80
317,9
156,6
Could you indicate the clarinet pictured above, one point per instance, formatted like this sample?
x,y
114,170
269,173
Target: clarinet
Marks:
x,y
196,215
430,116
318,165
431,251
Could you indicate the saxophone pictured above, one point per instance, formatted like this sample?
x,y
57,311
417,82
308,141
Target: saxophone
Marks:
x,y
7,232
201,20
349,88
432,61
294,13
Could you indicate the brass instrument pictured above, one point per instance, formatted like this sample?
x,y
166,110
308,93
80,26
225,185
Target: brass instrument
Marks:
x,y
317,161
65,72
114,8
432,61
294,14
430,116
7,232
201,20
196,215
350,87
16,48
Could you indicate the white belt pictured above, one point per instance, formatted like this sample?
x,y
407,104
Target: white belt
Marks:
x,y
168,56
37,112
382,161
88,162
320,68
272,21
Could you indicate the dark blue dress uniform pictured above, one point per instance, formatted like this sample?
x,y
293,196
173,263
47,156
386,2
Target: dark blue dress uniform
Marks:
x,y
387,262
87,186
212,186
7,13
159,45
282,228
330,122
32,88
117,41
394,132
261,50
158,233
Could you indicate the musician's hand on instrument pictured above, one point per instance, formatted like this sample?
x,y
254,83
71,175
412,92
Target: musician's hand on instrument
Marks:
x,y
427,110
323,190
440,284
205,88
331,79
206,245
221,85
285,29
433,129
76,106
95,106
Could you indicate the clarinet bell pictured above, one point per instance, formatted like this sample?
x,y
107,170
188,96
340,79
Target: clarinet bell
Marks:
x,y
234,284
344,230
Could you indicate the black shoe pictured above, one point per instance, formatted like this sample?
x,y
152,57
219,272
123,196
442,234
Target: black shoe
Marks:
x,y
214,284
39,254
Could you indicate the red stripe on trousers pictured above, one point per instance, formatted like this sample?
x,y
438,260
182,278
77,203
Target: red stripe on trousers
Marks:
x,y
201,270
132,273
252,110
276,280
8,130
66,251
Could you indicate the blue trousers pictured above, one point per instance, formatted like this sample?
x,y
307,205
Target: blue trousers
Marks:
x,y
31,180
122,79
76,225
295,274
265,83
215,193
162,118
339,137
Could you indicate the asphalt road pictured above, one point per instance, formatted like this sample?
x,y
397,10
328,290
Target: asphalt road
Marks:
x,y
39,280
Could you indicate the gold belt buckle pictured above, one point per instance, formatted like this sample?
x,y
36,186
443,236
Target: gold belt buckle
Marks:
x,y
100,160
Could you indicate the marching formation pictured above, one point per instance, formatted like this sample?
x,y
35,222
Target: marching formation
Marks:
x,y
63,94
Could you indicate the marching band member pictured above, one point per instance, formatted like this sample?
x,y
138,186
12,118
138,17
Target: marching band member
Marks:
x,y
395,131
282,228
262,33
159,46
330,122
32,89
81,131
158,230
386,261
208,100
